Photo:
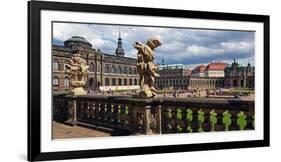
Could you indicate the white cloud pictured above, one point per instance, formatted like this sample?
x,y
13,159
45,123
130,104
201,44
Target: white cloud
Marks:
x,y
241,46
102,44
177,44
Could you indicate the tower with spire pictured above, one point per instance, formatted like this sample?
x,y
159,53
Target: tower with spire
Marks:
x,y
119,51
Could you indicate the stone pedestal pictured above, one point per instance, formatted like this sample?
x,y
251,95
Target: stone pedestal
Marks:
x,y
78,91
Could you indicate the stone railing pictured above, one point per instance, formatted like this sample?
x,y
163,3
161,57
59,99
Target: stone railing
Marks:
x,y
124,115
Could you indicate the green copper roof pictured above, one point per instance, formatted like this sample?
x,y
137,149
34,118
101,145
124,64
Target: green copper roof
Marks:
x,y
77,39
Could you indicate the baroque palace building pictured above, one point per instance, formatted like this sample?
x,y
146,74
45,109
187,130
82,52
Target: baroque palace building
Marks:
x,y
106,71
214,75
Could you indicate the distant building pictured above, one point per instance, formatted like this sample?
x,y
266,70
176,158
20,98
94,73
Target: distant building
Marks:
x,y
214,75
198,71
106,71
174,76
215,69
238,75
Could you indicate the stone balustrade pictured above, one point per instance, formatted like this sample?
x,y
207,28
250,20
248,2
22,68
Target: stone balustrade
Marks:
x,y
124,115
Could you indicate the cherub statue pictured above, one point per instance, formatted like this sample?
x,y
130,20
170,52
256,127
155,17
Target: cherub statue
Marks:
x,y
78,71
146,68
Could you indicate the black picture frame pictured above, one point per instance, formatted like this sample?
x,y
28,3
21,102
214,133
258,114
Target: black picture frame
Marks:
x,y
34,134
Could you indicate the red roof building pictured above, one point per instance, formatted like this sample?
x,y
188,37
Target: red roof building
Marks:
x,y
198,71
215,69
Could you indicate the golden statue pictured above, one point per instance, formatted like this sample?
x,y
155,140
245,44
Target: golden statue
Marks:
x,y
78,71
146,68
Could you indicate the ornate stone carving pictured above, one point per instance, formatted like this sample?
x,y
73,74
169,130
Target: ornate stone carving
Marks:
x,y
78,71
146,68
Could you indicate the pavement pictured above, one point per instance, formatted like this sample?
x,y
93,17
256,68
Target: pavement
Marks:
x,y
61,131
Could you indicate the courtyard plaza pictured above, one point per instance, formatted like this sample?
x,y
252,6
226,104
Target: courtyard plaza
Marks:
x,y
63,131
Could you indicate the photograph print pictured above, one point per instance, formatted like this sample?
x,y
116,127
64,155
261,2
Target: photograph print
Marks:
x,y
128,80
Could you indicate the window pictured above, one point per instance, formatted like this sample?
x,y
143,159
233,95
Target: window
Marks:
x,y
130,82
91,82
66,82
113,70
135,82
125,71
55,65
135,70
119,81
55,81
92,67
130,70
106,81
125,81
107,68
119,71
113,81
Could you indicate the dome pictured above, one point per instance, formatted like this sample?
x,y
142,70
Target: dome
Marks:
x,y
76,41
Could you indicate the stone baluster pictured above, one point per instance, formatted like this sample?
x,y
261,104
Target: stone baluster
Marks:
x,y
119,114
81,110
241,120
115,114
106,112
213,120
189,119
200,119
179,120
111,112
126,114
226,120
91,111
168,121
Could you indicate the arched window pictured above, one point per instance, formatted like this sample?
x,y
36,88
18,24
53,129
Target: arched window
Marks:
x,y
119,71
130,70
125,71
113,81
113,69
135,82
125,81
55,65
119,81
55,81
130,82
66,82
92,67
91,82
107,68
106,81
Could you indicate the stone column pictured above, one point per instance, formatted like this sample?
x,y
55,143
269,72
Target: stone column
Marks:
x,y
159,119
147,120
72,112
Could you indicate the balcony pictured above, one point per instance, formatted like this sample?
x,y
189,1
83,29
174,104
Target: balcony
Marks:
x,y
125,115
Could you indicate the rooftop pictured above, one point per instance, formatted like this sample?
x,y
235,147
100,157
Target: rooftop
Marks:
x,y
78,39
171,66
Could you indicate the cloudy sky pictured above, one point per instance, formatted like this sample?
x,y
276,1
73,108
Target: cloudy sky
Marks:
x,y
179,45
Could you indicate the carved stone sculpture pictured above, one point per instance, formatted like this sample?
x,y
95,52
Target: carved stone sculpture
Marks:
x,y
146,68
78,71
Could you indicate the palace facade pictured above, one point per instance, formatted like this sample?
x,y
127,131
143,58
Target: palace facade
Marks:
x,y
106,71
214,75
